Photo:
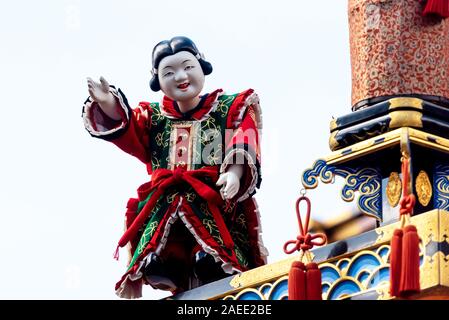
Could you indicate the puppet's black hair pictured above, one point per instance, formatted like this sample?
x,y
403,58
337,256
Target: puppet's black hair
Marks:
x,y
167,48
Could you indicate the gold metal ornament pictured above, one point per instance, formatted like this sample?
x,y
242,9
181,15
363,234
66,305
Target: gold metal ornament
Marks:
x,y
394,189
423,188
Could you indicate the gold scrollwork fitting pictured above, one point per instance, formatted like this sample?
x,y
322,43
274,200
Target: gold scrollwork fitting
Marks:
x,y
405,118
333,125
399,102
394,189
423,188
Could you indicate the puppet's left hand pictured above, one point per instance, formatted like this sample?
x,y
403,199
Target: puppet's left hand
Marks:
x,y
230,181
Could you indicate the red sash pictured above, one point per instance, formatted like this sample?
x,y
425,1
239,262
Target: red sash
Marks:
x,y
164,178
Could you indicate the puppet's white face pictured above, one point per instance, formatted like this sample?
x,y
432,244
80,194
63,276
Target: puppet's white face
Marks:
x,y
180,76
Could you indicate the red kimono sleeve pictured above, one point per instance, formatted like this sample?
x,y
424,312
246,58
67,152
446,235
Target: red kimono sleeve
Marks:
x,y
243,142
131,133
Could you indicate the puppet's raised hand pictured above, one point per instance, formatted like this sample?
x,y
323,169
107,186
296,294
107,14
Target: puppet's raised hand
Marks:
x,y
230,181
99,92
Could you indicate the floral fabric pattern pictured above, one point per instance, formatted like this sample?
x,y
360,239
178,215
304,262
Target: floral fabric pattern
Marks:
x,y
396,50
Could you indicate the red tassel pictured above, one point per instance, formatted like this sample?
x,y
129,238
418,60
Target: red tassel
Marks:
x,y
395,262
117,253
313,282
410,262
439,7
297,281
304,283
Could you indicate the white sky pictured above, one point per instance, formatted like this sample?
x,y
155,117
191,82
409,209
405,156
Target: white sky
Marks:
x,y
63,193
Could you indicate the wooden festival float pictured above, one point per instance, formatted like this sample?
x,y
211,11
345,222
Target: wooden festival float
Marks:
x,y
399,121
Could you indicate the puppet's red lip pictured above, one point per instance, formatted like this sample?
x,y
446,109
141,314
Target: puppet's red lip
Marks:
x,y
183,85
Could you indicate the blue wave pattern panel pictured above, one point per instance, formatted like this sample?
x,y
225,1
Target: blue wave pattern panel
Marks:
x,y
364,271
367,181
340,279
441,186
278,290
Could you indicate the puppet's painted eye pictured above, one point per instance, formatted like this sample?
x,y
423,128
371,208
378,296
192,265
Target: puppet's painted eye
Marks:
x,y
169,73
188,67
